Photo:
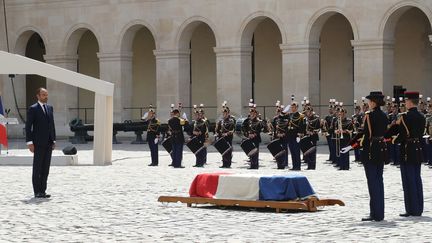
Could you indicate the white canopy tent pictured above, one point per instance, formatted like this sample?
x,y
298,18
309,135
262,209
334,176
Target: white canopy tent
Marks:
x,y
103,121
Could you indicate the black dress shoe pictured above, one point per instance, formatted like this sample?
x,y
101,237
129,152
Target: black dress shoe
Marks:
x,y
171,164
152,164
404,214
367,219
198,166
310,169
252,168
39,195
294,169
44,195
178,167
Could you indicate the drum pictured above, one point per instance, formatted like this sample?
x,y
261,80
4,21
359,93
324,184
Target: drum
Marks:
x,y
276,148
167,144
195,145
307,146
249,147
222,146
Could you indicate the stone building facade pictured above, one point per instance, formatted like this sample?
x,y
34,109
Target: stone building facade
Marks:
x,y
207,51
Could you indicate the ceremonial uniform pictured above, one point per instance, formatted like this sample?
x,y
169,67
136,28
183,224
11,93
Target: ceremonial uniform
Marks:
x,y
153,133
374,154
200,131
296,128
410,130
428,132
328,127
357,120
313,125
175,125
252,128
225,129
393,146
342,140
280,124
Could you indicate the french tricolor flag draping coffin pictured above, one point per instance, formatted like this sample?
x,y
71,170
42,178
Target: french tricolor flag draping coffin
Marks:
x,y
251,187
3,133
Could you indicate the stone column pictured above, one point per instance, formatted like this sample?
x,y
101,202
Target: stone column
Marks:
x,y
116,67
300,72
172,80
373,66
62,96
234,77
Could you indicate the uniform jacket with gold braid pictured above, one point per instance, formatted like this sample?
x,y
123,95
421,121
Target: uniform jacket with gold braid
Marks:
x,y
296,125
280,126
329,125
428,128
313,126
175,125
410,130
347,127
226,126
253,126
153,126
357,120
201,125
371,139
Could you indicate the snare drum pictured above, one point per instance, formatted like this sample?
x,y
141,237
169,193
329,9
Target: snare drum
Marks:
x,y
195,145
307,146
276,148
249,147
222,146
167,144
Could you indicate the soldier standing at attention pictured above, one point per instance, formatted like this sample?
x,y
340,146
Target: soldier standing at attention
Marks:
x,y
153,134
410,127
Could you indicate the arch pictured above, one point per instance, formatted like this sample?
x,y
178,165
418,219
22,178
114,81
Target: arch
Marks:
x,y
125,41
187,29
24,35
252,21
316,23
73,37
392,16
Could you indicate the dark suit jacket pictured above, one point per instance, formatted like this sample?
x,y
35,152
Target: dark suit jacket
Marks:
x,y
40,127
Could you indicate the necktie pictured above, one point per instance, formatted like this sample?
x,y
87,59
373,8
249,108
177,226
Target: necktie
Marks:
x,y
45,109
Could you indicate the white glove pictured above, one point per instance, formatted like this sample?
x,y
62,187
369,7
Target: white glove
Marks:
x,y
298,139
346,149
156,140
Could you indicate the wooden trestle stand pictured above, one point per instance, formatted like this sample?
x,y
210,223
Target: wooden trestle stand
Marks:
x,y
311,204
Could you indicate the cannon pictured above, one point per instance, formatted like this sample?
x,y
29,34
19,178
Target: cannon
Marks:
x,y
80,131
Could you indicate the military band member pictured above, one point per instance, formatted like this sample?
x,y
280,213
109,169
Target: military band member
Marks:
x,y
296,128
357,120
153,135
175,124
252,128
200,131
312,129
394,146
374,153
410,128
327,129
225,128
343,130
279,131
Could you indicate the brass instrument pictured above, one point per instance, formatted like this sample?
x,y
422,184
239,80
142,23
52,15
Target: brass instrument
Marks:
x,y
339,136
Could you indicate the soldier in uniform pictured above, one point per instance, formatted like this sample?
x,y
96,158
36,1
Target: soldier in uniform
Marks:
x,y
394,147
410,130
200,131
280,126
252,128
153,135
225,128
296,129
312,129
357,120
328,130
175,124
374,153
343,130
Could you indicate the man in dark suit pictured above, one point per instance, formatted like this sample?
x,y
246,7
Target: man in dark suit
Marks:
x,y
40,139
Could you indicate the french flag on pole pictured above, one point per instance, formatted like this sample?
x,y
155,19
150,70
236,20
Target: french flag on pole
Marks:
x,y
3,134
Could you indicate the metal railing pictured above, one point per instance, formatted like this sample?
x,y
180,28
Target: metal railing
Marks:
x,y
86,110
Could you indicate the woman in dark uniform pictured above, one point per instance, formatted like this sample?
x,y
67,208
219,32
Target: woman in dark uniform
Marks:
x,y
374,153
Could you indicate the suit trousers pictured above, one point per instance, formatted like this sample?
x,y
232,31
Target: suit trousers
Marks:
x,y
41,166
374,176
177,154
412,187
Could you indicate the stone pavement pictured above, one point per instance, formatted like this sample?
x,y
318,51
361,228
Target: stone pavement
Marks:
x,y
119,203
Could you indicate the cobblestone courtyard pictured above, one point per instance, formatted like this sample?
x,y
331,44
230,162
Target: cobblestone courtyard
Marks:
x,y
119,203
